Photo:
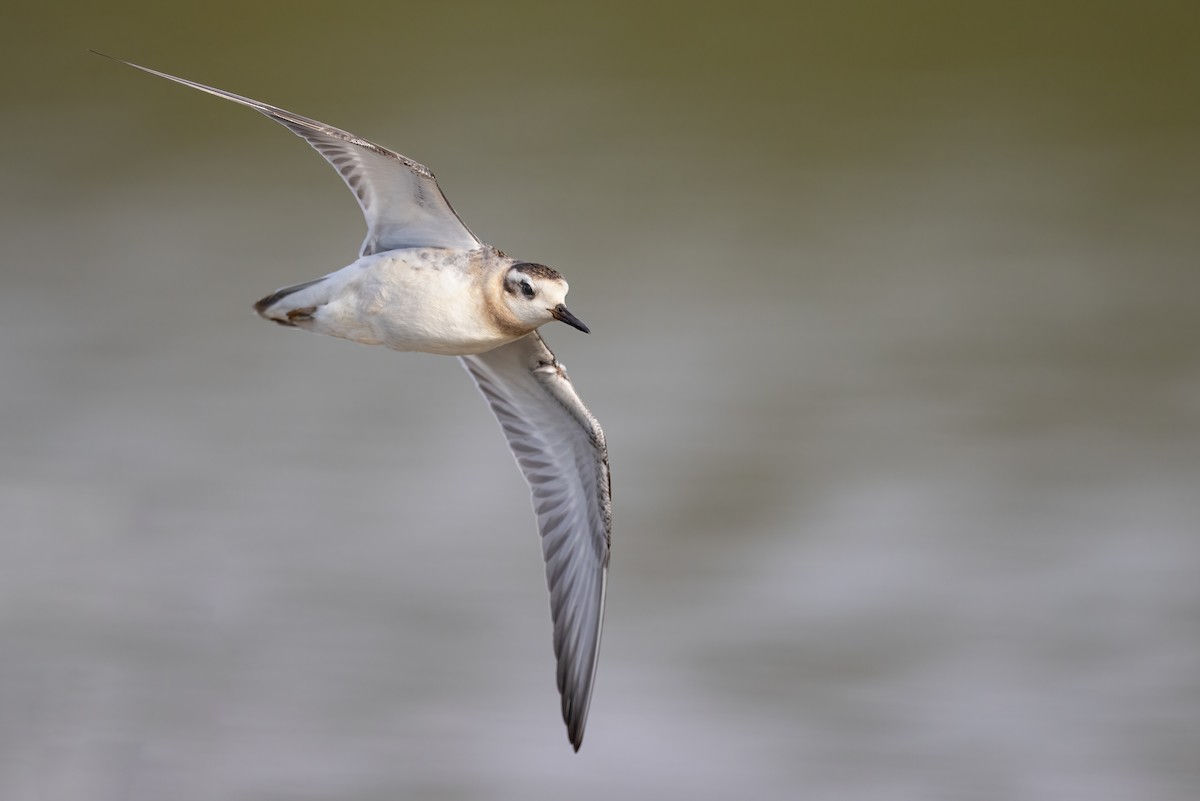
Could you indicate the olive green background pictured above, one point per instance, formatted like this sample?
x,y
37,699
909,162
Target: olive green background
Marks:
x,y
895,340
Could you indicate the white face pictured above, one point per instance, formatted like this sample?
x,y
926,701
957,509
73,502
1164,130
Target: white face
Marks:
x,y
535,296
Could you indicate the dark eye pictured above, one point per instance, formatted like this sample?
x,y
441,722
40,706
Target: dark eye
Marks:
x,y
526,289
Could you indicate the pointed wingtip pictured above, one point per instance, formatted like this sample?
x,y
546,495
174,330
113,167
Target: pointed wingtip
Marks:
x,y
575,726
575,735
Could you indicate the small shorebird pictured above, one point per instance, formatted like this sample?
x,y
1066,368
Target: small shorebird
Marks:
x,y
424,282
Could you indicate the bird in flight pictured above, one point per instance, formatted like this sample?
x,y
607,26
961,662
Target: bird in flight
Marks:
x,y
424,282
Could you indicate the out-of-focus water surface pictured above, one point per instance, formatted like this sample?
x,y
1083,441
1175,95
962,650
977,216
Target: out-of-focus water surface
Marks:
x,y
896,317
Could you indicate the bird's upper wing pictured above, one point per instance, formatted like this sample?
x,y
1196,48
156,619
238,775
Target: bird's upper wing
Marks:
x,y
399,197
560,449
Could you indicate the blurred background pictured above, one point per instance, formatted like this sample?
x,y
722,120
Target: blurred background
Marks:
x,y
896,318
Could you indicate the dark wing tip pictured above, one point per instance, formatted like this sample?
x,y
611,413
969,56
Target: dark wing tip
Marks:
x,y
574,729
573,717
576,698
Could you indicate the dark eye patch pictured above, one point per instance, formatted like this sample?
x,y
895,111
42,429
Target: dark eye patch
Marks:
x,y
527,289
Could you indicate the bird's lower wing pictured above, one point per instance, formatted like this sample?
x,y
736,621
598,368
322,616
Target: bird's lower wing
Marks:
x,y
560,449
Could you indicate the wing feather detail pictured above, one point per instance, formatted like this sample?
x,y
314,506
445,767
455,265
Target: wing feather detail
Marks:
x,y
560,448
400,199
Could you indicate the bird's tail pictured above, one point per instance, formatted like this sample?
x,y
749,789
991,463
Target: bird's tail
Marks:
x,y
295,305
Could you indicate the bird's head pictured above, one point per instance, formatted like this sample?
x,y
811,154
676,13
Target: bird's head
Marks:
x,y
534,294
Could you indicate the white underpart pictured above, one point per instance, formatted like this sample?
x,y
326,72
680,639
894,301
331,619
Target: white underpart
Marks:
x,y
416,299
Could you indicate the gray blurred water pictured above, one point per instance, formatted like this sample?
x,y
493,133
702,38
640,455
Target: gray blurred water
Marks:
x,y
895,344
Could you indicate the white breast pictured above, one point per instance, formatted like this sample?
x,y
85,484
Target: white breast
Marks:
x,y
417,299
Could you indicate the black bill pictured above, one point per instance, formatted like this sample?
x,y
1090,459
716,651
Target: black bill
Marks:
x,y
561,314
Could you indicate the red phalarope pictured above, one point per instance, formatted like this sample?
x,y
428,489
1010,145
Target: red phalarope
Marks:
x,y
424,282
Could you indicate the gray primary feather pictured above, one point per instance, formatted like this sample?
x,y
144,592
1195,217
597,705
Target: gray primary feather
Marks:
x,y
560,449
